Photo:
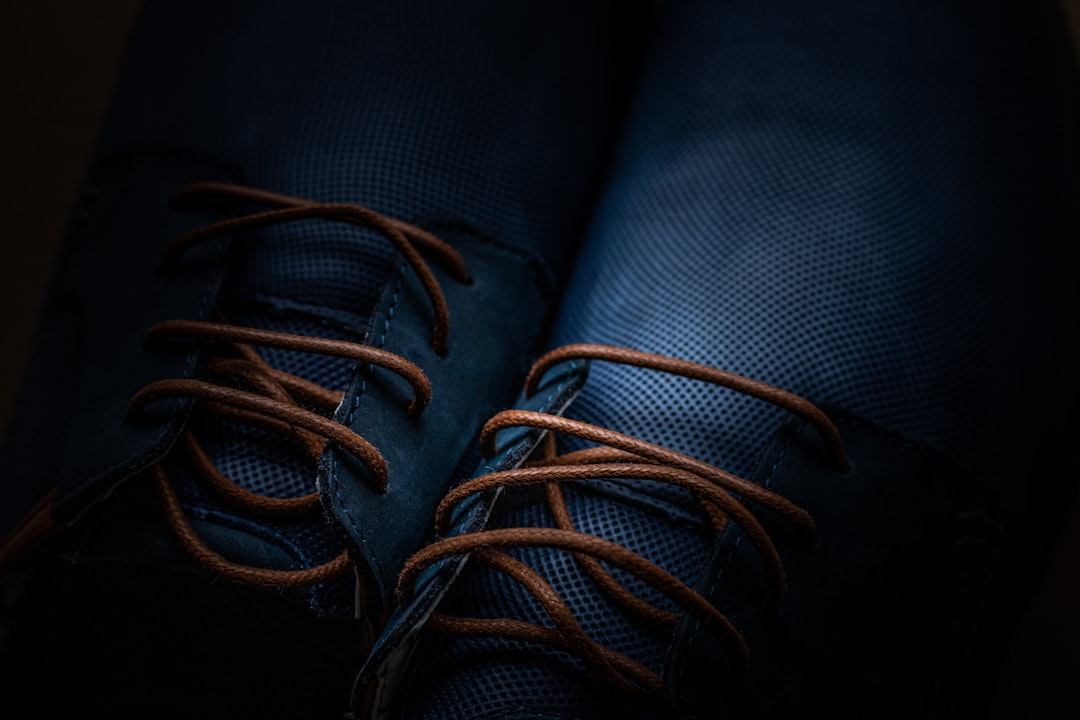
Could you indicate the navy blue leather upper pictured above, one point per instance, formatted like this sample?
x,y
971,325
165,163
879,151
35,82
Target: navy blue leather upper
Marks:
x,y
866,204
70,429
488,123
505,304
379,686
884,608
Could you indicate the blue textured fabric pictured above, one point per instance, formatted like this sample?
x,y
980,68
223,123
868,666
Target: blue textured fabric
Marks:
x,y
861,203
462,115
356,102
409,108
488,123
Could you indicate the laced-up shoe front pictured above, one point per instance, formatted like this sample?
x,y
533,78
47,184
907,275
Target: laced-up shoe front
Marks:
x,y
800,447
315,250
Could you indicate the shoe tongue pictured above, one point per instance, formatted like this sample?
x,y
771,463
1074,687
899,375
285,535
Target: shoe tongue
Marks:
x,y
312,278
311,267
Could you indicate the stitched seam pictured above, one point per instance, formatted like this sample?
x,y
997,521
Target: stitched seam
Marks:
x,y
262,532
390,311
890,438
537,267
972,630
575,364
464,526
712,587
980,616
352,414
956,665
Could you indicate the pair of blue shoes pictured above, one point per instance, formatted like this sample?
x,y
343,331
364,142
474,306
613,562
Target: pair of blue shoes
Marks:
x,y
634,360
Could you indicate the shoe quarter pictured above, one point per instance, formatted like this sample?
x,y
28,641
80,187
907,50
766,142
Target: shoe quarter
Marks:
x,y
73,436
880,612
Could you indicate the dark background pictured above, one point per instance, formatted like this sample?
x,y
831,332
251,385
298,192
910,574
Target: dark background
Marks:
x,y
57,58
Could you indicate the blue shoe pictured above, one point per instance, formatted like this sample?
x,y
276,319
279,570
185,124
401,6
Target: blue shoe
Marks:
x,y
797,448
316,250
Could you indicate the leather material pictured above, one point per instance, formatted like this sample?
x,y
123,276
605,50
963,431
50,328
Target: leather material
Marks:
x,y
880,613
421,112
88,357
483,115
806,196
489,351
380,679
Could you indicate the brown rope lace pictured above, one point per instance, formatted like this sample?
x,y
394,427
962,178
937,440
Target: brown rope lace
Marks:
x,y
237,384
722,497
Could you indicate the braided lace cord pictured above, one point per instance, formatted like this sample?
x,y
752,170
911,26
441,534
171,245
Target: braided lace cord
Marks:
x,y
721,497
238,385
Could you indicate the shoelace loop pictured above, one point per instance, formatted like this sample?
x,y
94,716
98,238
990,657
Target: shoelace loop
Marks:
x,y
239,385
721,496
796,405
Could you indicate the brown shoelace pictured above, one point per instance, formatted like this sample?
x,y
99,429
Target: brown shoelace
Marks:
x,y
238,385
721,496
